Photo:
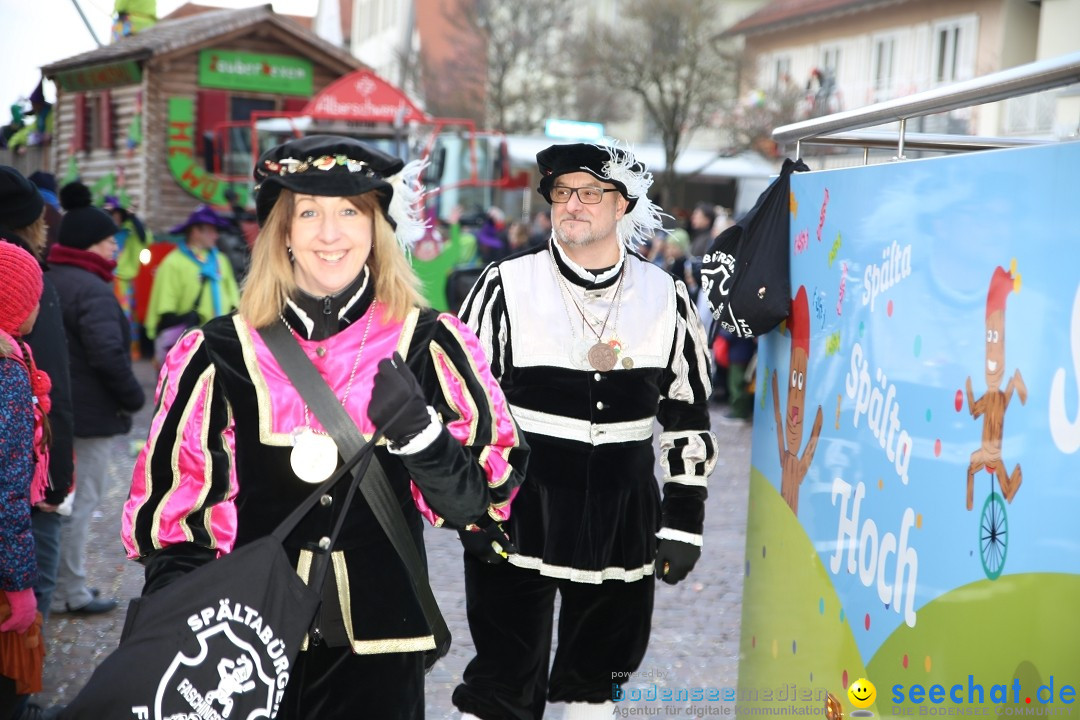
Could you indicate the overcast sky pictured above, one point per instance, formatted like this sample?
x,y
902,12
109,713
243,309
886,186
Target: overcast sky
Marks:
x,y
39,32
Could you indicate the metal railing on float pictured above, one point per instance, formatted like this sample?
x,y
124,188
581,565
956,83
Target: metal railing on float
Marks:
x,y
839,128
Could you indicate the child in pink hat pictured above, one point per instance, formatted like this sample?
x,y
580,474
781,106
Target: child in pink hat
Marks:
x,y
24,437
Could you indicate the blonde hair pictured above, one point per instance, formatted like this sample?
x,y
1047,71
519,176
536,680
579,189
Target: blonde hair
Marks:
x,y
270,279
34,235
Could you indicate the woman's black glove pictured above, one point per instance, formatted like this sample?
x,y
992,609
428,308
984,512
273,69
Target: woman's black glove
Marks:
x,y
489,544
675,560
397,406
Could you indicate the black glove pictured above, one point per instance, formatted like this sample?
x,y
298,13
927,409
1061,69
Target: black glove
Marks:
x,y
397,406
675,560
489,544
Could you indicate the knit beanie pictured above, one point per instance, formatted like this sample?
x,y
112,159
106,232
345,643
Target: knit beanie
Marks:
x,y
83,224
20,202
21,290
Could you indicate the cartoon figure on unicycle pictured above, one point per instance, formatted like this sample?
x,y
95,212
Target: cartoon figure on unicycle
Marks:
x,y
993,523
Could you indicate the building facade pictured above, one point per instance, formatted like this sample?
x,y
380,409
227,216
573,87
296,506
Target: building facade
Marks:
x,y
142,118
847,54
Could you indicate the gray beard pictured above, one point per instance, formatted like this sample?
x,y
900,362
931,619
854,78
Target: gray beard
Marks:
x,y
586,240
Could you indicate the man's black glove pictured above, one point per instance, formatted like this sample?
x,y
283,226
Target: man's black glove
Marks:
x,y
397,406
489,544
675,560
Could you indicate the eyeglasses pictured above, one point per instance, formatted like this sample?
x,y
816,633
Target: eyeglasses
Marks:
x,y
587,195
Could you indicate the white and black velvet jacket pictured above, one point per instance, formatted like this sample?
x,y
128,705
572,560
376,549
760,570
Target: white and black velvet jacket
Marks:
x,y
590,509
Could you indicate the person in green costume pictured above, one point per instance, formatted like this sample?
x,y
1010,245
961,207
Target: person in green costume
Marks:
x,y
438,253
132,239
193,284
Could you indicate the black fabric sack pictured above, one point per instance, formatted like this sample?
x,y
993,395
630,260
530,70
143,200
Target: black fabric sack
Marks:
x,y
168,320
218,642
746,272
188,319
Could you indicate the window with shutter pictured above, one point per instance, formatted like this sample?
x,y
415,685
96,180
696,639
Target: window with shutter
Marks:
x,y
78,139
106,139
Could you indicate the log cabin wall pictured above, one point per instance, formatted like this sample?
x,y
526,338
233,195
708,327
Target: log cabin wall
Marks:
x,y
101,140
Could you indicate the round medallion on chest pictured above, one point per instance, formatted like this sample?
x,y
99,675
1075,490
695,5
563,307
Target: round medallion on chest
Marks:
x,y
314,456
602,356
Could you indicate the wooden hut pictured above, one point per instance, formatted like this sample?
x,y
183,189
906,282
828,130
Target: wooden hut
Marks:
x,y
137,118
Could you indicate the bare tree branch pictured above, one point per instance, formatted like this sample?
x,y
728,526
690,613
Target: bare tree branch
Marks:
x,y
521,56
665,55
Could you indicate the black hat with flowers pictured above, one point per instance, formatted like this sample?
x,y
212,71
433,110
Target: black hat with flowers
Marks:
x,y
337,166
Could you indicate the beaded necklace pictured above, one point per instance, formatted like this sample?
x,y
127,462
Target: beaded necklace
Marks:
x,y
315,454
601,355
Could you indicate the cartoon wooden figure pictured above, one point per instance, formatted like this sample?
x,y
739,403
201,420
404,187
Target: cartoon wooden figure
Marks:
x,y
793,468
993,404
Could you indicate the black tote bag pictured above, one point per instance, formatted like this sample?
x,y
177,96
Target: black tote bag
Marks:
x,y
219,641
747,271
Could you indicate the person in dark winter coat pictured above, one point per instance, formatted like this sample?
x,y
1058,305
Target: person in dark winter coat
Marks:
x,y
23,222
46,185
105,390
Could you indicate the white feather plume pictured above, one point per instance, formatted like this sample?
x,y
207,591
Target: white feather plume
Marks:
x,y
406,208
639,225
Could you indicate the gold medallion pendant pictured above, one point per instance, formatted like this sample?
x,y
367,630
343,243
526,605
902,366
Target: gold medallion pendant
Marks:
x,y
602,356
314,455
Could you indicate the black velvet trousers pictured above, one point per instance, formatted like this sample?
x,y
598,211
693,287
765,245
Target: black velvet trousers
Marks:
x,y
603,630
331,682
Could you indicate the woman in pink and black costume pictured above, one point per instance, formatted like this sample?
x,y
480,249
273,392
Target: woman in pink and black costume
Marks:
x,y
230,451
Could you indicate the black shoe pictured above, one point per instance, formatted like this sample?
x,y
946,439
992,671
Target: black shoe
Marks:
x,y
33,711
97,606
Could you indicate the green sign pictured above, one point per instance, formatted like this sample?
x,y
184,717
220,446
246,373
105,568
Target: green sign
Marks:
x,y
230,70
100,77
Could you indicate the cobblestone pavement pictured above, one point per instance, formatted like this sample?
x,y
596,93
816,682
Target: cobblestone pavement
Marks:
x,y
695,639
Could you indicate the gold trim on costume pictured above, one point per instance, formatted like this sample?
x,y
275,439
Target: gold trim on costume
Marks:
x,y
262,391
504,451
487,397
205,379
389,645
228,450
341,582
152,442
437,353
408,329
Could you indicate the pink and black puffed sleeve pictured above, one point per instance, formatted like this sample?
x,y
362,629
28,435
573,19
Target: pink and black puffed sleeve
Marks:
x,y
473,466
183,485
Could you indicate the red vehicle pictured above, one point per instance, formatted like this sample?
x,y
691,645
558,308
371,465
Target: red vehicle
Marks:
x,y
467,166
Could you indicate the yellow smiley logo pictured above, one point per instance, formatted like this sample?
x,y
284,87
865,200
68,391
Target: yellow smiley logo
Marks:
x,y
862,693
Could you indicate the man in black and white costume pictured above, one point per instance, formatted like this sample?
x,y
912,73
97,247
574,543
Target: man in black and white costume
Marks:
x,y
592,345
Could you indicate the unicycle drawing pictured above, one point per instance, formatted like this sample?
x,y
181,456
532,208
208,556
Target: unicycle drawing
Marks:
x,y
993,522
993,534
